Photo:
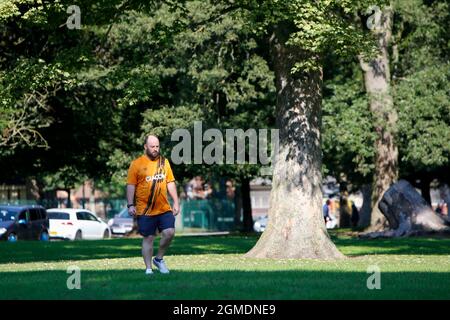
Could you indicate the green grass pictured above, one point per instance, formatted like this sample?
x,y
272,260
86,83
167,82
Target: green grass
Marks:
x,y
214,268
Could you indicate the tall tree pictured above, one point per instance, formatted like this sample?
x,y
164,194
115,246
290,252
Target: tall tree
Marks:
x,y
300,31
377,79
296,228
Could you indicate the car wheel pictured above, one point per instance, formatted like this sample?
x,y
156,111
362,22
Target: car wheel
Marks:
x,y
106,234
12,237
78,235
44,236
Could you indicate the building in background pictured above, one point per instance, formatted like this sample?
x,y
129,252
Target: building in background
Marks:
x,y
260,196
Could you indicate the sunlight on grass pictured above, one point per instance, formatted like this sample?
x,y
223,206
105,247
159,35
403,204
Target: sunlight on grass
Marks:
x,y
214,268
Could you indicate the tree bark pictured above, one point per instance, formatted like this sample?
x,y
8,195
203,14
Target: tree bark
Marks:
x,y
295,226
364,215
377,83
237,207
408,213
246,205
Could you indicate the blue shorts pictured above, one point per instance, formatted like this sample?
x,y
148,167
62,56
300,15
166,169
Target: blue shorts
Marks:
x,y
147,225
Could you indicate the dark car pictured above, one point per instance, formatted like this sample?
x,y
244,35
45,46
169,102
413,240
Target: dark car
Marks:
x,y
23,223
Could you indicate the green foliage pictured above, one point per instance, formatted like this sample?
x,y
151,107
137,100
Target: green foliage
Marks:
x,y
211,74
66,177
348,134
421,78
26,89
90,95
421,34
423,100
316,27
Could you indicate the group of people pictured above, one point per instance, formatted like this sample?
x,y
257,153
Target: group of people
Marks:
x,y
199,189
331,221
442,208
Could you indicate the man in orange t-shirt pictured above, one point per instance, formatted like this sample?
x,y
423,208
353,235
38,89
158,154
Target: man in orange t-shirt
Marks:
x,y
149,179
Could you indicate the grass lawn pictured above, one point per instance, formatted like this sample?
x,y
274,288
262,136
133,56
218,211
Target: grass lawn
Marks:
x,y
213,268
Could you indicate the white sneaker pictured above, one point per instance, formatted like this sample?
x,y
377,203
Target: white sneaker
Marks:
x,y
161,265
148,271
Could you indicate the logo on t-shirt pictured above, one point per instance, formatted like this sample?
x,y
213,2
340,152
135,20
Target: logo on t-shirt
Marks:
x,y
157,177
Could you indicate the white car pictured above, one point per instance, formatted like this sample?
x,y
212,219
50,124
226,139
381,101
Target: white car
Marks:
x,y
76,224
260,224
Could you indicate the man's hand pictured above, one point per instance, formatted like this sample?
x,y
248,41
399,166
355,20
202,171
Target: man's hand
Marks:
x,y
176,208
131,188
172,189
132,211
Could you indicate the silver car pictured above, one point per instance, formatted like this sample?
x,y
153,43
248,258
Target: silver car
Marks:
x,y
122,223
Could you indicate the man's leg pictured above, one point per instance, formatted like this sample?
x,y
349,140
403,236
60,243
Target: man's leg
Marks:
x,y
167,225
147,250
166,239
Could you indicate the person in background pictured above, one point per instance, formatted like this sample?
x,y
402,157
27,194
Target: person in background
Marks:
x,y
326,211
355,215
197,188
230,189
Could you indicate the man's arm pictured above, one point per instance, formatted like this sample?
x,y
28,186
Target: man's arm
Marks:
x,y
131,188
172,189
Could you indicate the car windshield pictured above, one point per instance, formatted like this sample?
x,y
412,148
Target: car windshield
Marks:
x,y
124,214
7,215
58,215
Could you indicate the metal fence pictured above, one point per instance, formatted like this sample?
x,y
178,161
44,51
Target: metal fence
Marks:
x,y
196,215
211,214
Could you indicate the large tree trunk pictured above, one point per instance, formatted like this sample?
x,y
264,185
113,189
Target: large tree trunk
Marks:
x,y
408,213
377,83
295,226
246,205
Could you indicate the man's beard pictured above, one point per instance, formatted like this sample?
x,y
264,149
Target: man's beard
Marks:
x,y
151,156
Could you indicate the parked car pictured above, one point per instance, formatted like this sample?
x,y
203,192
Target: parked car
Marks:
x,y
23,223
122,223
76,224
260,224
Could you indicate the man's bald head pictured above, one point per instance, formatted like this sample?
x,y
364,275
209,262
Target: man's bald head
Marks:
x,y
151,138
151,146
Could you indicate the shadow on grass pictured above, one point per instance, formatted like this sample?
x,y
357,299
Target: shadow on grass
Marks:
x,y
398,246
33,251
190,285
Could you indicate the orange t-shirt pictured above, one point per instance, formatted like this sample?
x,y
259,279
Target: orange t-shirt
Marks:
x,y
150,179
